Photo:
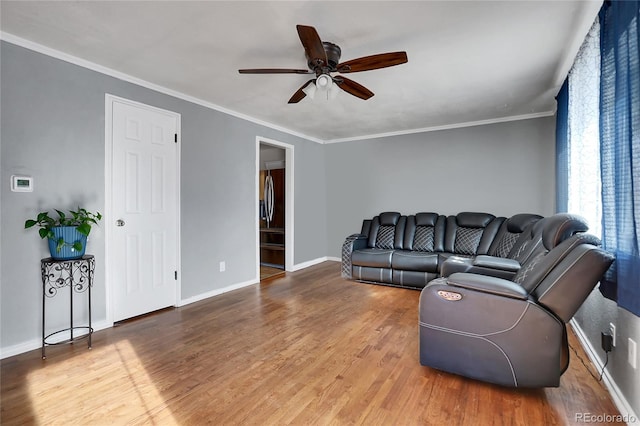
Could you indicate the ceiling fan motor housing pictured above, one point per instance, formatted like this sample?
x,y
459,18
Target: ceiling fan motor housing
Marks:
x,y
333,52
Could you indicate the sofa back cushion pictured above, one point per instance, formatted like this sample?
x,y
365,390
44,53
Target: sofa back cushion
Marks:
x,y
560,227
424,232
571,278
536,269
471,233
529,242
510,232
366,227
546,234
387,231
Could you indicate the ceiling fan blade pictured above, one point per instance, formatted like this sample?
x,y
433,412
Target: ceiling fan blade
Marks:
x,y
353,88
312,45
373,62
274,71
299,95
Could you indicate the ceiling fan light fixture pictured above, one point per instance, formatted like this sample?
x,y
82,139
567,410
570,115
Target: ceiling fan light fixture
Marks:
x,y
310,90
324,82
333,91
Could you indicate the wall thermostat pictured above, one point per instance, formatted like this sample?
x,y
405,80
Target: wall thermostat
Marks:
x,y
21,183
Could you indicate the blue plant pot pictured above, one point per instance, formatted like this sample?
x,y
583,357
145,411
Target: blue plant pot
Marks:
x,y
70,235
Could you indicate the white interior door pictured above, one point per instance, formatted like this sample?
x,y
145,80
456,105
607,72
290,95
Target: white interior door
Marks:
x,y
143,249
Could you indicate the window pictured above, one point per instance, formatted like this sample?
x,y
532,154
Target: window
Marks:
x,y
598,144
583,144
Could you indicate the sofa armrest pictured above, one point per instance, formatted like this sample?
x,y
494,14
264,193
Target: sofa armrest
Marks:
x,y
351,243
487,284
488,267
494,262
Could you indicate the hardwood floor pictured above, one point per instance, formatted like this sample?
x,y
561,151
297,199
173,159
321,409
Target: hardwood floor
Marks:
x,y
267,272
307,348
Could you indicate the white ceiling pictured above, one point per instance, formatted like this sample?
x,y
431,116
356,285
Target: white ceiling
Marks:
x,y
469,61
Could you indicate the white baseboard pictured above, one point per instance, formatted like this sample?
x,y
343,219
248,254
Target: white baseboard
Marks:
x,y
616,394
218,291
37,343
334,259
309,263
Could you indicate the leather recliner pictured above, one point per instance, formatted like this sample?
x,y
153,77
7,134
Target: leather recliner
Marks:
x,y
511,332
371,260
417,263
530,229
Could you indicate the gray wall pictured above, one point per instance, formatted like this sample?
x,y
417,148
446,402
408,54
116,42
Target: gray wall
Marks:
x,y
270,154
502,169
53,129
593,318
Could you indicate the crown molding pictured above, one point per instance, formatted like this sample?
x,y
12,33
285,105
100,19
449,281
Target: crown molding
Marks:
x,y
445,127
36,47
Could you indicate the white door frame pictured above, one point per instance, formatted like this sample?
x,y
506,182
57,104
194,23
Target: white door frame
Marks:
x,y
288,203
109,220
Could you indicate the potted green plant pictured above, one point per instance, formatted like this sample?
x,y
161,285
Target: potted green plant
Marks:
x,y
67,234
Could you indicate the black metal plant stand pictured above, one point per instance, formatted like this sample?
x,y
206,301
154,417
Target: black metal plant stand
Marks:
x,y
77,274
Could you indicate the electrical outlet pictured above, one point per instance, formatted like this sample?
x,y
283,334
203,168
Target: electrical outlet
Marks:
x,y
223,266
612,331
606,342
633,353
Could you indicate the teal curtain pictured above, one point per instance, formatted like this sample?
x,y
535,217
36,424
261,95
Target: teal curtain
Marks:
x,y
620,149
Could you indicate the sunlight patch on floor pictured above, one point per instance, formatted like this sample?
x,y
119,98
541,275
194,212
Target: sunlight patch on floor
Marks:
x,y
85,387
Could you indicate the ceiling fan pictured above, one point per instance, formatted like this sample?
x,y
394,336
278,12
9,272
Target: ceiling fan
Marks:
x,y
323,59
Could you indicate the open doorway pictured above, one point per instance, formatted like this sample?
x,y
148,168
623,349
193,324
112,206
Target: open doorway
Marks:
x,y
274,250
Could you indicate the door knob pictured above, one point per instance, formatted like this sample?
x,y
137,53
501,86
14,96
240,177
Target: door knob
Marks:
x,y
119,222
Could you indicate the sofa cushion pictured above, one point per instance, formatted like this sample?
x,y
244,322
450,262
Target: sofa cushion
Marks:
x,y
467,240
474,220
560,227
378,275
529,241
372,257
531,273
544,235
414,261
423,238
426,219
510,232
387,231
389,218
386,234
424,232
504,244
471,233
519,222
412,279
